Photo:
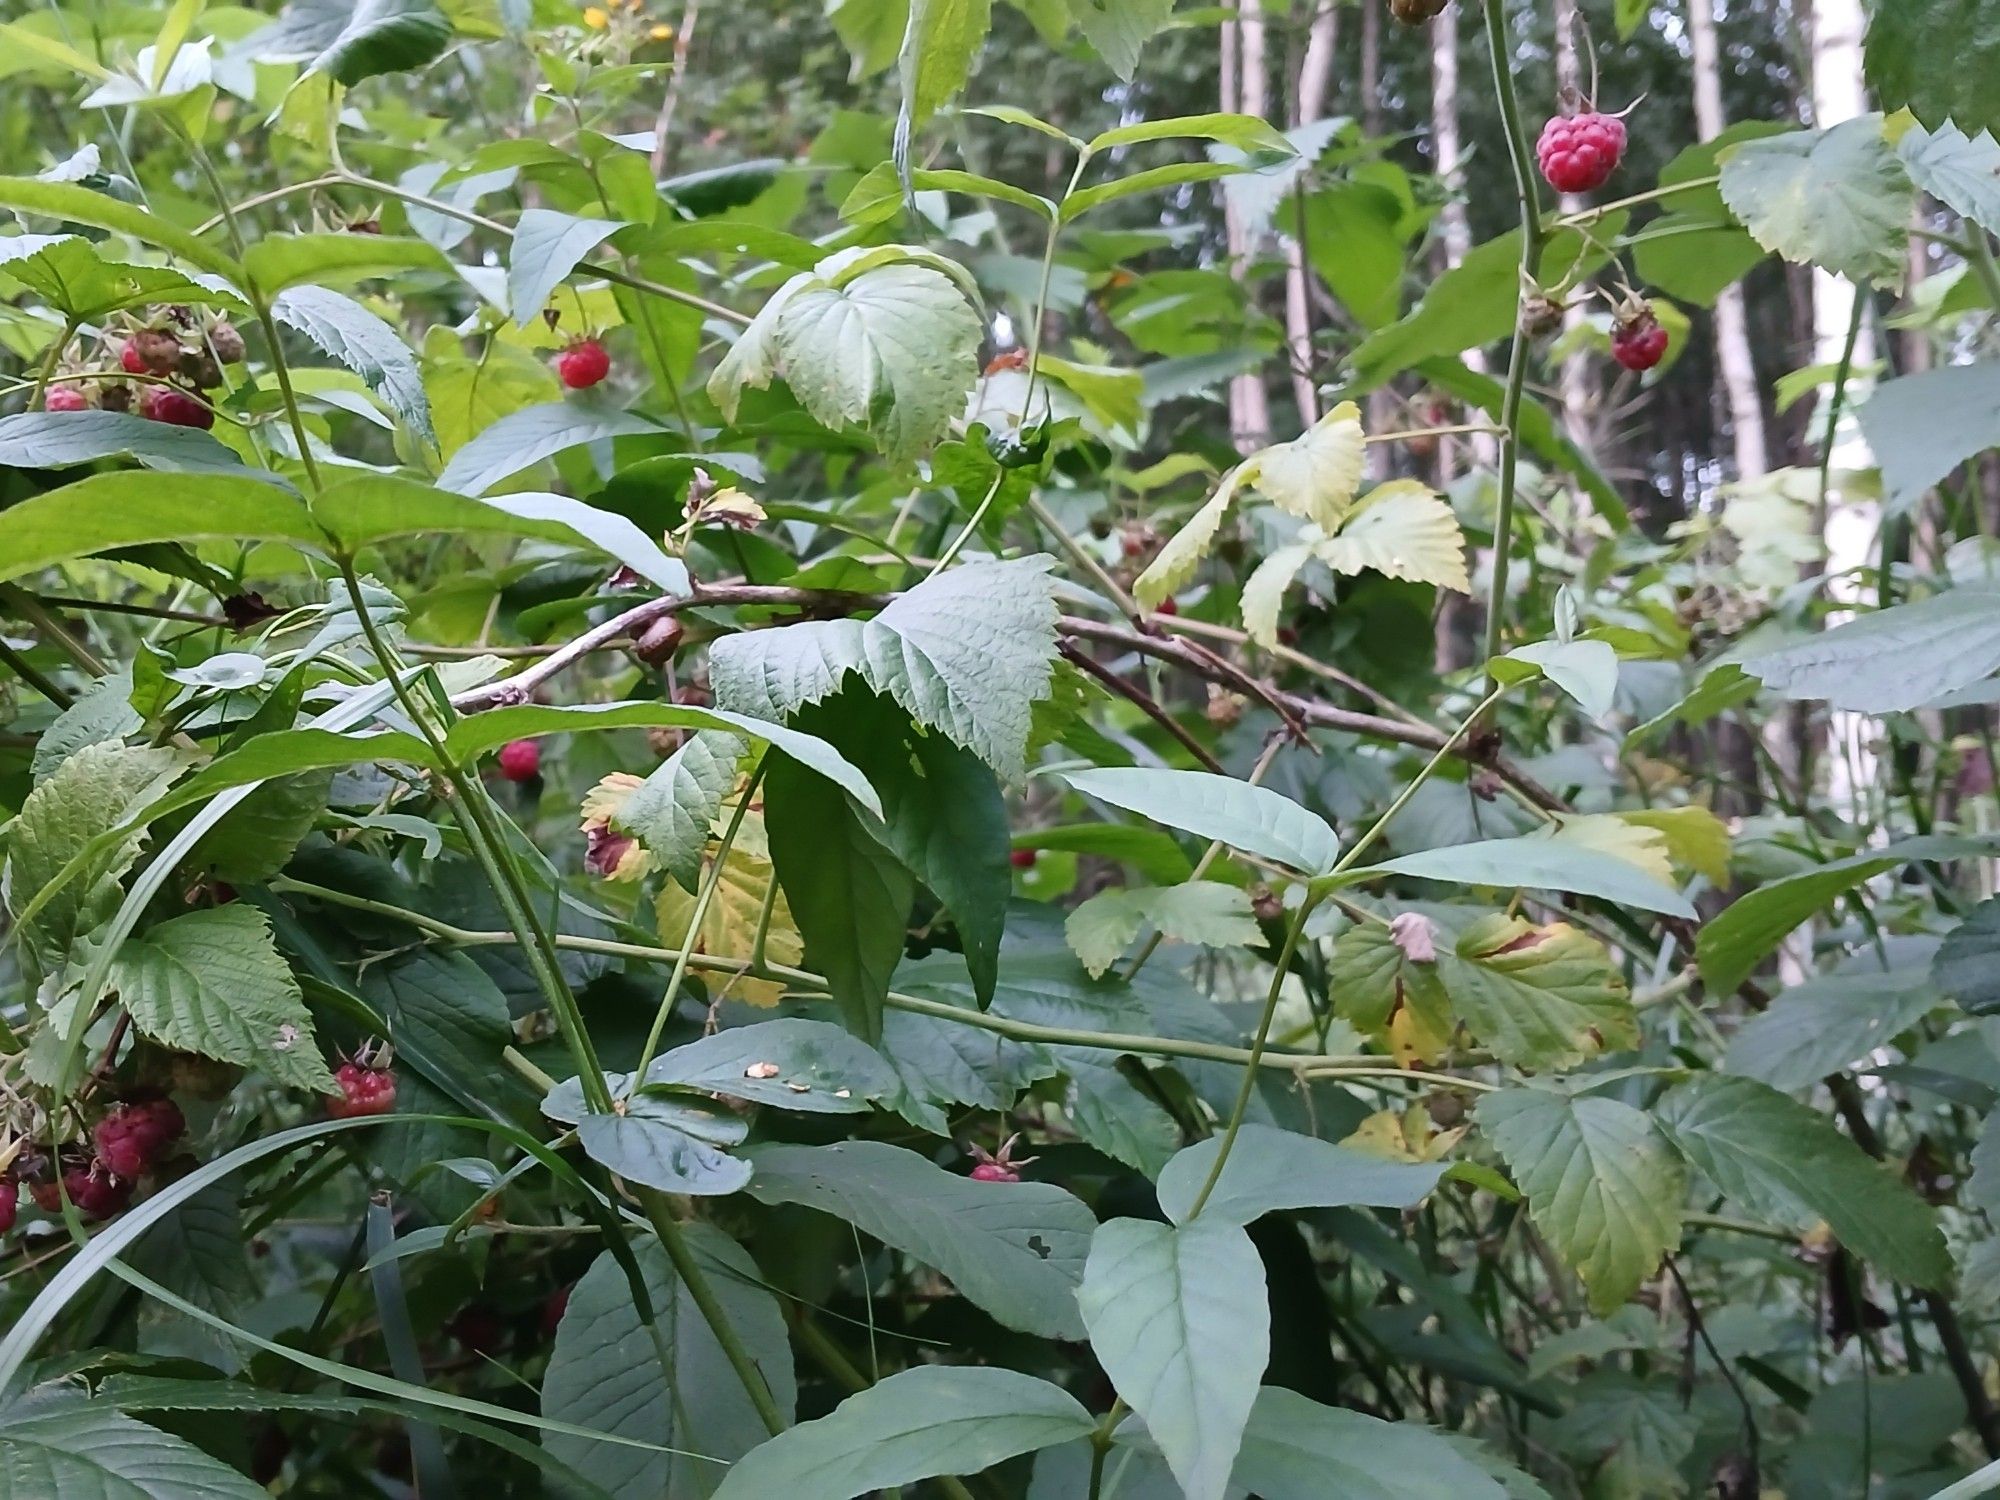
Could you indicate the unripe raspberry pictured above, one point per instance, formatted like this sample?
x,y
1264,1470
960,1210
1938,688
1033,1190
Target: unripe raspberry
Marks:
x,y
583,364
658,642
175,407
520,760
1638,342
1578,153
159,352
64,398
1417,12
227,343
198,368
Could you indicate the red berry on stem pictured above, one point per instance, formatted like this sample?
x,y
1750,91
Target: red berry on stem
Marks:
x,y
1578,153
994,1171
133,1136
64,398
1022,859
1167,606
363,1091
10,1203
583,364
1638,342
129,357
520,760
175,407
97,1192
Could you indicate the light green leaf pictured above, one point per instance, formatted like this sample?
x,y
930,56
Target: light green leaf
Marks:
x,y
1178,1318
1923,426
55,1442
1933,57
526,437
1731,945
1601,1183
72,276
672,812
1829,1023
547,245
790,1063
943,39
1264,591
1175,563
1296,1449
1244,132
66,201
920,1423
58,439
893,351
350,333
1895,659
278,261
1401,530
1270,1169
1254,819
1540,997
1015,1249
213,982
1535,862
1960,172
967,653
1775,1157
1586,670
605,1371
1119,29
1836,198
1203,911
90,795
1315,475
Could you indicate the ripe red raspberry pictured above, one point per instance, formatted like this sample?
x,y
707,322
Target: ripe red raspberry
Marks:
x,y
10,1203
583,364
993,1171
97,1192
64,398
130,358
520,760
1001,1165
363,1091
166,403
1022,859
1638,342
1578,153
134,1135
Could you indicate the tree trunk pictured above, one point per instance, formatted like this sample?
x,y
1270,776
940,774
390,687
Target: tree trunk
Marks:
x,y
1243,91
1454,627
1308,104
1732,329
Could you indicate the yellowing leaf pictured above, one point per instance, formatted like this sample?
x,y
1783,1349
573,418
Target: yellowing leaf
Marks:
x,y
729,929
1401,530
1403,1135
1643,848
1176,562
1696,838
1540,997
1264,591
1381,992
1315,475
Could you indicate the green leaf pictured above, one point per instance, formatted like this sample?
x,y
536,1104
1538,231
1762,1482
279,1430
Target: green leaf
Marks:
x,y
672,812
849,897
355,41
72,276
1540,997
1960,172
90,795
68,202
1923,426
1254,819
674,1145
947,822
63,439
124,510
920,1423
878,196
1694,257
1244,132
1932,57
213,982
526,437
278,261
256,838
1015,1249
1297,1449
1538,862
446,1014
892,351
1152,180
967,653
1776,1157
1967,966
1119,29
942,1062
1836,198
1586,670
1203,911
374,508
1829,1023
943,39
1601,1183
790,1063
605,1371
1270,1169
56,1442
1356,244
1731,945
1178,1318
350,333
547,245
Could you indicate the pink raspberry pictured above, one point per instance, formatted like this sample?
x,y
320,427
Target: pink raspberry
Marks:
x,y
363,1091
64,398
520,760
1578,153
175,407
583,364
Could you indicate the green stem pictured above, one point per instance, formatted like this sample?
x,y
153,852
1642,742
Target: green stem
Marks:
x,y
660,1216
49,363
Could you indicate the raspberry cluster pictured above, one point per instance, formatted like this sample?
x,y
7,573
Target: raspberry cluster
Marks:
x,y
176,353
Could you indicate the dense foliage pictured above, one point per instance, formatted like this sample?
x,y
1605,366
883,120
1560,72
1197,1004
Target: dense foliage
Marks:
x,y
896,745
